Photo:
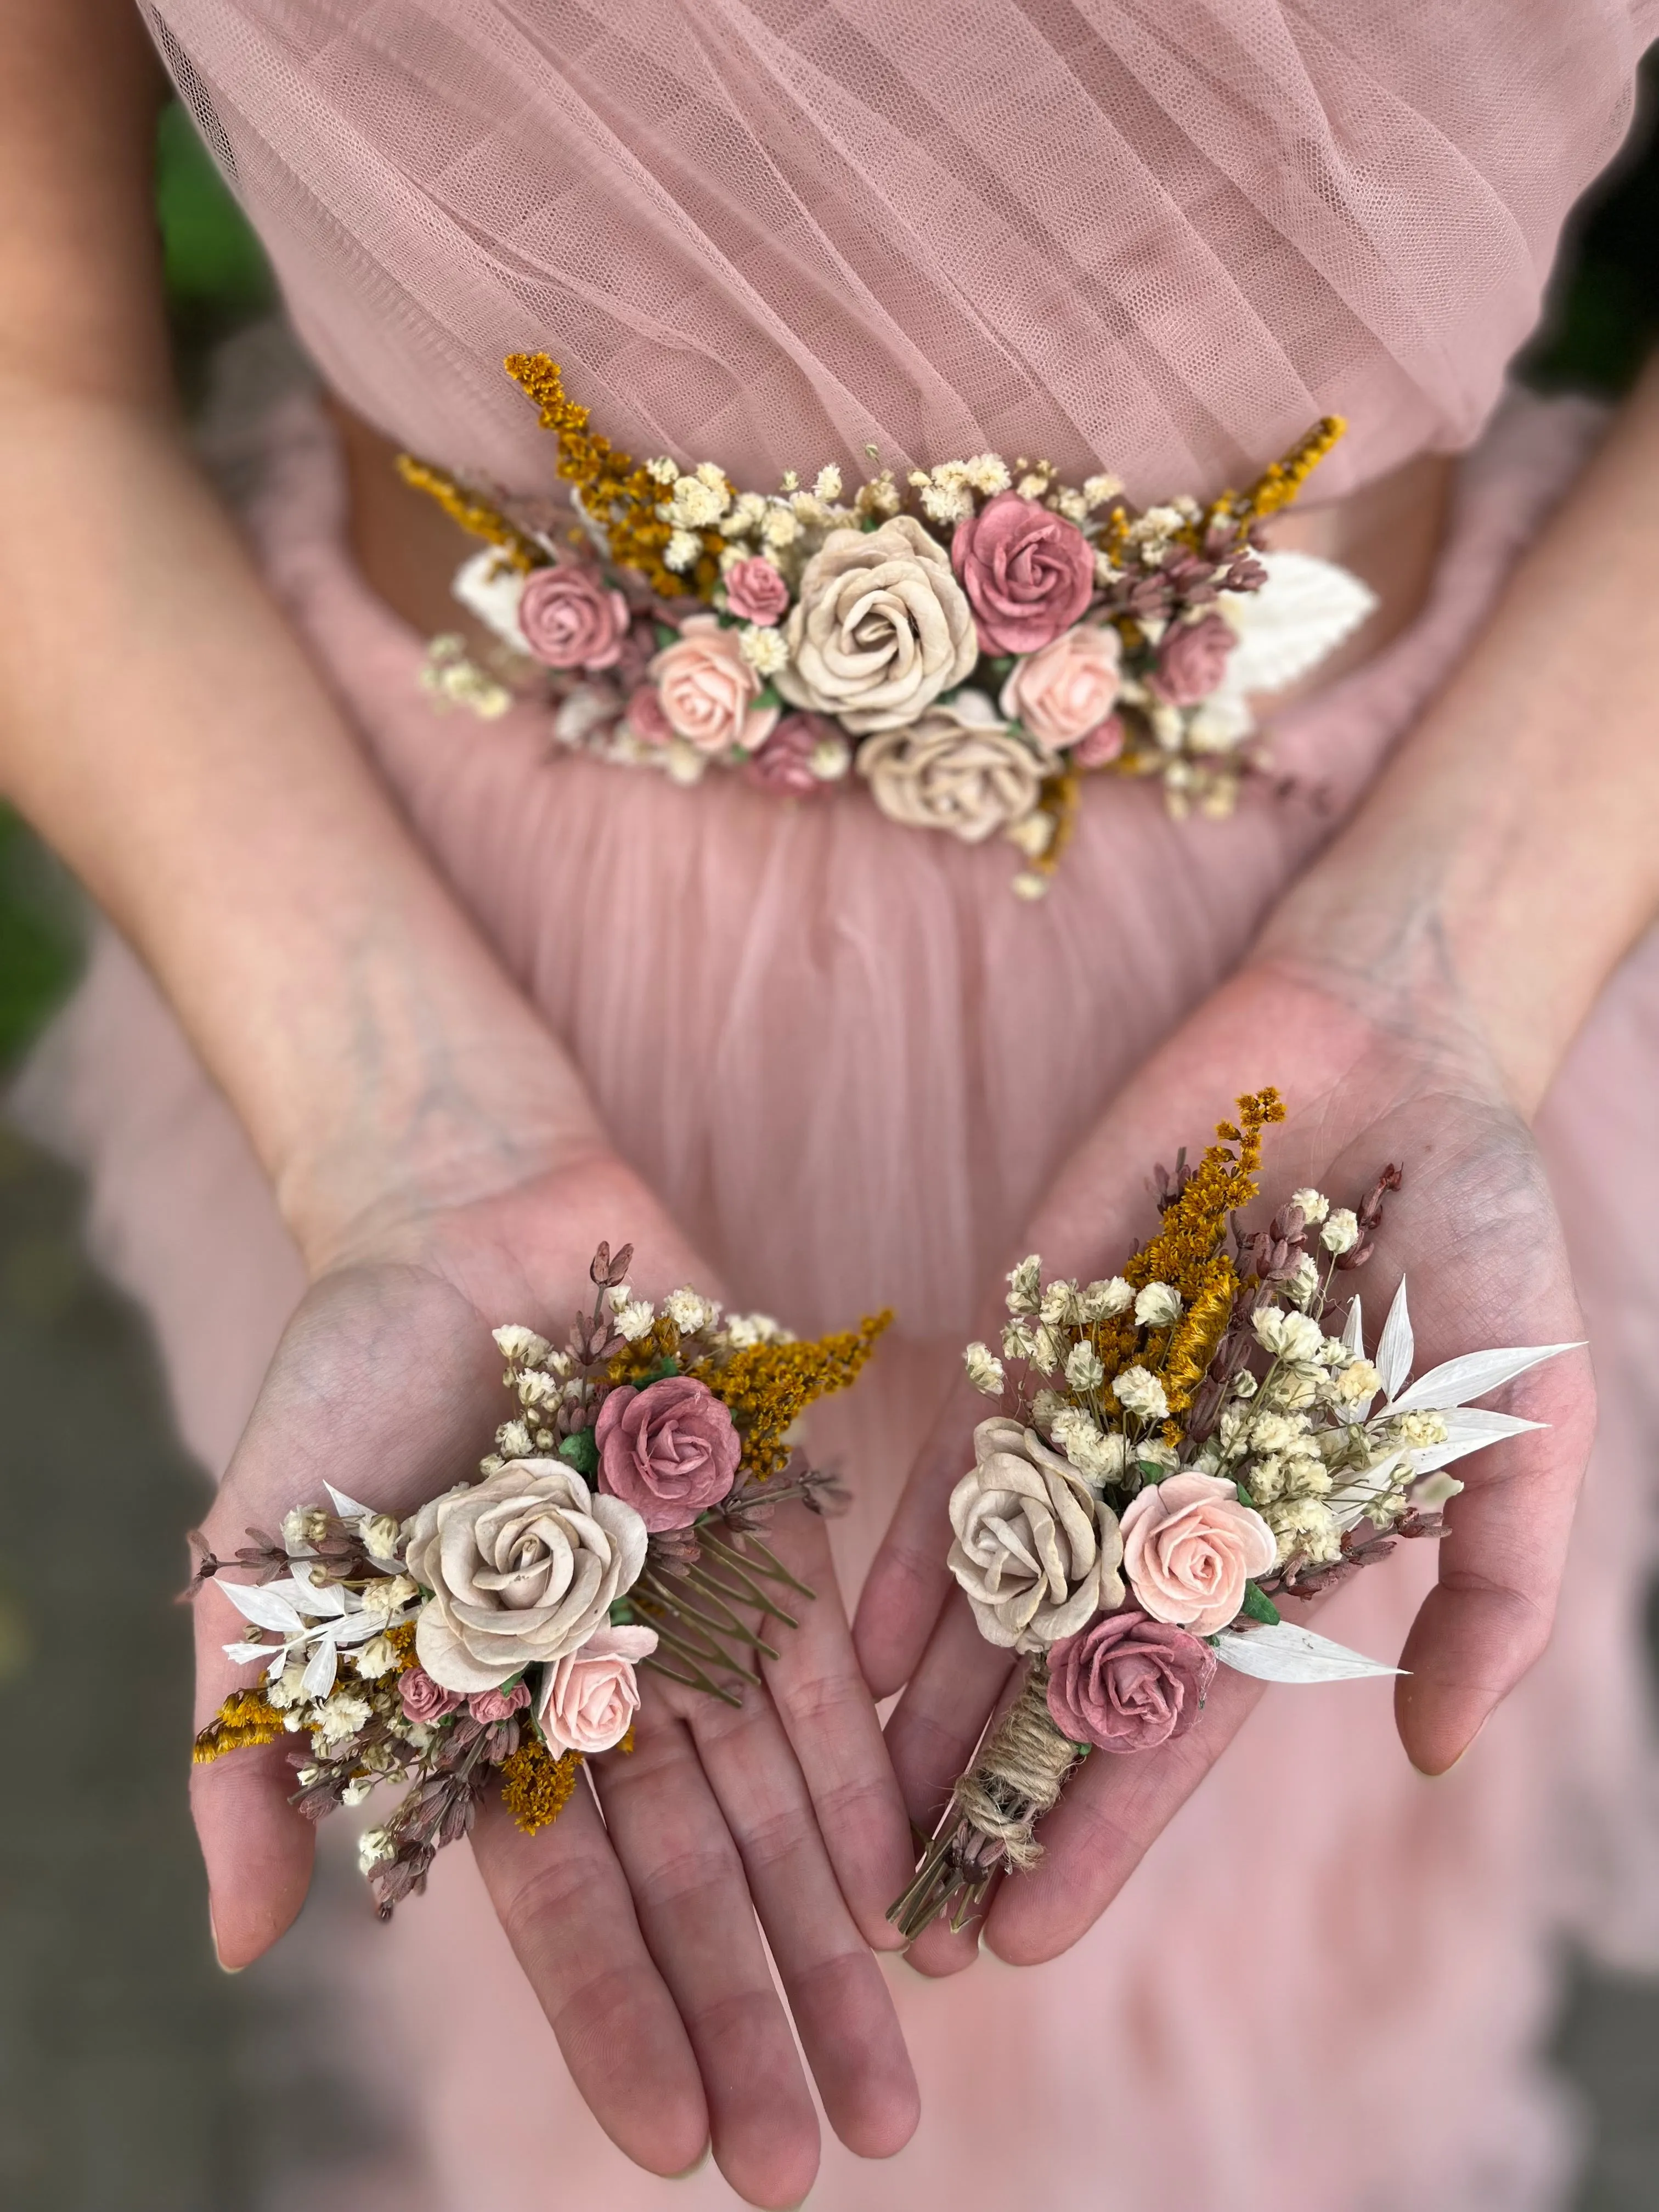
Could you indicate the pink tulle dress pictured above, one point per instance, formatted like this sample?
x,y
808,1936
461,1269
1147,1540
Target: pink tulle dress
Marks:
x,y
1162,235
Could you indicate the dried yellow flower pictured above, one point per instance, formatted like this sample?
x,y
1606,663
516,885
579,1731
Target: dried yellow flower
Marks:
x,y
535,1786
243,1722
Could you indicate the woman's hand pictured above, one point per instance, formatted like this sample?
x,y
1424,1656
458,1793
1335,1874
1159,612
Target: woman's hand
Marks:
x,y
1369,1078
635,1918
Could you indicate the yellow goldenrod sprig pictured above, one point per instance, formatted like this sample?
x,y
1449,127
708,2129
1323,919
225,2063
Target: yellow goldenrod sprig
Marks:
x,y
535,1786
245,1720
474,513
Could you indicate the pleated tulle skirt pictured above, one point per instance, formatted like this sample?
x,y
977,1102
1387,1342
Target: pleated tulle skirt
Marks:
x,y
849,1060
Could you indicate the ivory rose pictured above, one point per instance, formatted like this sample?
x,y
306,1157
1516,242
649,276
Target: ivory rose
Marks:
x,y
589,1698
1189,1547
522,1567
571,619
756,592
1035,1550
670,1449
1192,660
1029,573
959,768
707,691
879,630
1068,688
1128,1683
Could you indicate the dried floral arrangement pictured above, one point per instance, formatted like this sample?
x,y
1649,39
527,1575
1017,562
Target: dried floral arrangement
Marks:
x,y
1181,1450
494,1636
969,640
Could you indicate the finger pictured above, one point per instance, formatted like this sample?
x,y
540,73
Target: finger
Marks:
x,y
1114,1809
829,1718
909,1581
843,2012
256,1849
695,1914
933,1732
1489,1615
562,1897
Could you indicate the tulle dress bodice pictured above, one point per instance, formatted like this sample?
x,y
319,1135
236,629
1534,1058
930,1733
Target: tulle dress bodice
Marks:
x,y
1162,235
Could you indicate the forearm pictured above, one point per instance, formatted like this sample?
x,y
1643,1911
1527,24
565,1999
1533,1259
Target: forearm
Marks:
x,y
163,729
1509,856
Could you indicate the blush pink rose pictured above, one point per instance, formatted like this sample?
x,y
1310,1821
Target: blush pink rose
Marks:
x,y
784,763
571,618
1102,745
591,1696
670,1451
1128,1683
1028,574
1065,691
1192,660
756,592
1189,1547
423,1699
707,691
488,1706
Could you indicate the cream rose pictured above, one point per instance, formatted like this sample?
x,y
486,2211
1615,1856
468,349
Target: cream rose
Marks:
x,y
1035,1551
589,1698
522,1569
879,628
1189,1547
1068,688
959,768
707,691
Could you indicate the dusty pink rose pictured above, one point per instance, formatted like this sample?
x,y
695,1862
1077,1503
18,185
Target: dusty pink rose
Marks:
x,y
1101,745
1065,691
1128,1683
1189,1547
1192,660
488,1706
589,1698
571,618
1028,574
646,718
707,691
670,1451
423,1699
756,592
784,763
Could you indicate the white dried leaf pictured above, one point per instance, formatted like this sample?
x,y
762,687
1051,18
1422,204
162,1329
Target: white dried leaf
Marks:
x,y
1285,1652
1472,1376
348,1508
321,1669
1303,611
1396,1347
1470,1429
266,1605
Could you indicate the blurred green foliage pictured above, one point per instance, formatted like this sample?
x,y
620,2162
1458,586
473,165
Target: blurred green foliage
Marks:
x,y
1601,319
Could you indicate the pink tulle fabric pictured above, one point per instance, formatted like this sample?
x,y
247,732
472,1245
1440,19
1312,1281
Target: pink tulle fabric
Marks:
x,y
846,1060
1162,235
1159,235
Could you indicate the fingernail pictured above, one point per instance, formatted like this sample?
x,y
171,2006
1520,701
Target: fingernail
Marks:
x,y
1461,1757
218,1956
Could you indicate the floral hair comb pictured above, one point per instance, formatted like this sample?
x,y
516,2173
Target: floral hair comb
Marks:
x,y
495,1635
1181,1450
970,641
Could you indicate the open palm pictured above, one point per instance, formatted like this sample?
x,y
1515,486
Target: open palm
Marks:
x,y
635,1917
1366,1083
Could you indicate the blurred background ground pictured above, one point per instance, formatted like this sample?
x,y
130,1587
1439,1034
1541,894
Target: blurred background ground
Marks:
x,y
134,2075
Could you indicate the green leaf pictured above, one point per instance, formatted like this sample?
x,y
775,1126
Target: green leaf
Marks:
x,y
1259,1606
769,695
581,1452
665,636
1152,1470
666,1366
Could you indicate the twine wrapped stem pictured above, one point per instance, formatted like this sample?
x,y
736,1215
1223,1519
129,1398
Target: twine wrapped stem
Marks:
x,y
990,1821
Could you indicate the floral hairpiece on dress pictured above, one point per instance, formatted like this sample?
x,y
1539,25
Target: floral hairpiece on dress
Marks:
x,y
1181,1449
495,1635
970,641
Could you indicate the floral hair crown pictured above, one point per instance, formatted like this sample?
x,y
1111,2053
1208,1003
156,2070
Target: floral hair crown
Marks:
x,y
1179,1452
971,640
495,1635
